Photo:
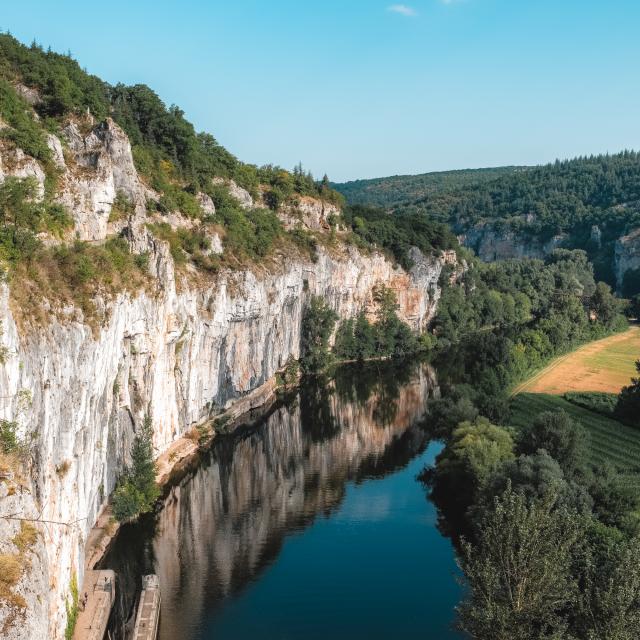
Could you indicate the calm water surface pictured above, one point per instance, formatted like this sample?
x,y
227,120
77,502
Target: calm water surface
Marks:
x,y
310,524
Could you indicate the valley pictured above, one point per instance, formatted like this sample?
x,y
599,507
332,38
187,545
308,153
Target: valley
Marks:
x,y
302,405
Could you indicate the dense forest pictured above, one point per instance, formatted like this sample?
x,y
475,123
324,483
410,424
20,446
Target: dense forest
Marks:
x,y
395,190
506,319
547,540
397,233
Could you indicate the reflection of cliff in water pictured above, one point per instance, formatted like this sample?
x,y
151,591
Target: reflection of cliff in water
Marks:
x,y
225,522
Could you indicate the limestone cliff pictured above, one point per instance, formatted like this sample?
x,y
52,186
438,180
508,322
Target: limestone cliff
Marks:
x,y
180,349
627,256
491,244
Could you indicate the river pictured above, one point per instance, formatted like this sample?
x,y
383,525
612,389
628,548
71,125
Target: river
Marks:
x,y
307,524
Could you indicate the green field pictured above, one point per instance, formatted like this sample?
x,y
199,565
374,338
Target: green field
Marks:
x,y
610,440
604,365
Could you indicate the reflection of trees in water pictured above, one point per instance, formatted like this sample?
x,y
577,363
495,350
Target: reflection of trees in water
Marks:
x,y
316,418
221,525
357,383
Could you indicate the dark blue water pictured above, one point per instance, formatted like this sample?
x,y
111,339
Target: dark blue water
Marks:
x,y
309,525
375,568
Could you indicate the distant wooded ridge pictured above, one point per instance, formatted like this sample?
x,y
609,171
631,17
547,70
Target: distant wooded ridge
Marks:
x,y
393,190
586,203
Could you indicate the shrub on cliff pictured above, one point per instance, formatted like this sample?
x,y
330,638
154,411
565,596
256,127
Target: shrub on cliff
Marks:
x,y
22,216
137,490
388,337
317,326
9,442
23,129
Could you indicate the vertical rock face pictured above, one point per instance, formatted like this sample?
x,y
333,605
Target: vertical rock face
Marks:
x,y
491,245
310,213
101,166
627,255
180,354
180,357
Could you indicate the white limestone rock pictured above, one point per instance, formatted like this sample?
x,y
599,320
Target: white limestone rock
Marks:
x,y
206,203
103,167
179,353
312,213
627,255
235,190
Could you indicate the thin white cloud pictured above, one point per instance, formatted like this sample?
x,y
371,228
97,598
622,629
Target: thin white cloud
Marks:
x,y
403,10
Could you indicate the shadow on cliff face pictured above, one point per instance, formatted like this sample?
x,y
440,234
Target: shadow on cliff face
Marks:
x,y
225,522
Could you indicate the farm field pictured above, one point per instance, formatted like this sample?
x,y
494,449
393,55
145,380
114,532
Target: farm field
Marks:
x,y
609,440
605,365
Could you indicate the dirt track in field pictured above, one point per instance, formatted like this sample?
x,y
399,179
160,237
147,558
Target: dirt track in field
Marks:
x,y
605,365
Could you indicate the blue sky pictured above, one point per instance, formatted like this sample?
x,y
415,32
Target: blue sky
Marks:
x,y
365,88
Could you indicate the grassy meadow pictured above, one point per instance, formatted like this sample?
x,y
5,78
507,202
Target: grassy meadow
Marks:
x,y
605,366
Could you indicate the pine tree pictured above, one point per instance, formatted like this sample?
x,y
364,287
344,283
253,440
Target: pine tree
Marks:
x,y
138,490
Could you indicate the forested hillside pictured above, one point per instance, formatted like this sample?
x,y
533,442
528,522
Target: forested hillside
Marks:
x,y
46,98
587,203
167,149
395,190
551,199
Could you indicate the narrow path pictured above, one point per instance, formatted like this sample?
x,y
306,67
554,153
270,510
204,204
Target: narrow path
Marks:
x,y
99,587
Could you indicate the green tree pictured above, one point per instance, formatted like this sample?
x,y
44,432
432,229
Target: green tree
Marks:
x,y
394,337
138,491
561,437
318,322
479,447
608,606
604,304
345,344
628,407
290,373
474,452
615,499
364,334
519,572
535,476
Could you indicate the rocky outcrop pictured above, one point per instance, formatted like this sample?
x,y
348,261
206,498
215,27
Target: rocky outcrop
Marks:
x,y
101,166
311,213
627,256
491,244
180,353
16,163
236,191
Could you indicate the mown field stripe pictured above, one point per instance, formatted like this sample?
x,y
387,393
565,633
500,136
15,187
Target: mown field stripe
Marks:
x,y
610,440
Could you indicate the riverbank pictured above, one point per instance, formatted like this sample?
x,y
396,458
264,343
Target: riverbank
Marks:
x,y
182,453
